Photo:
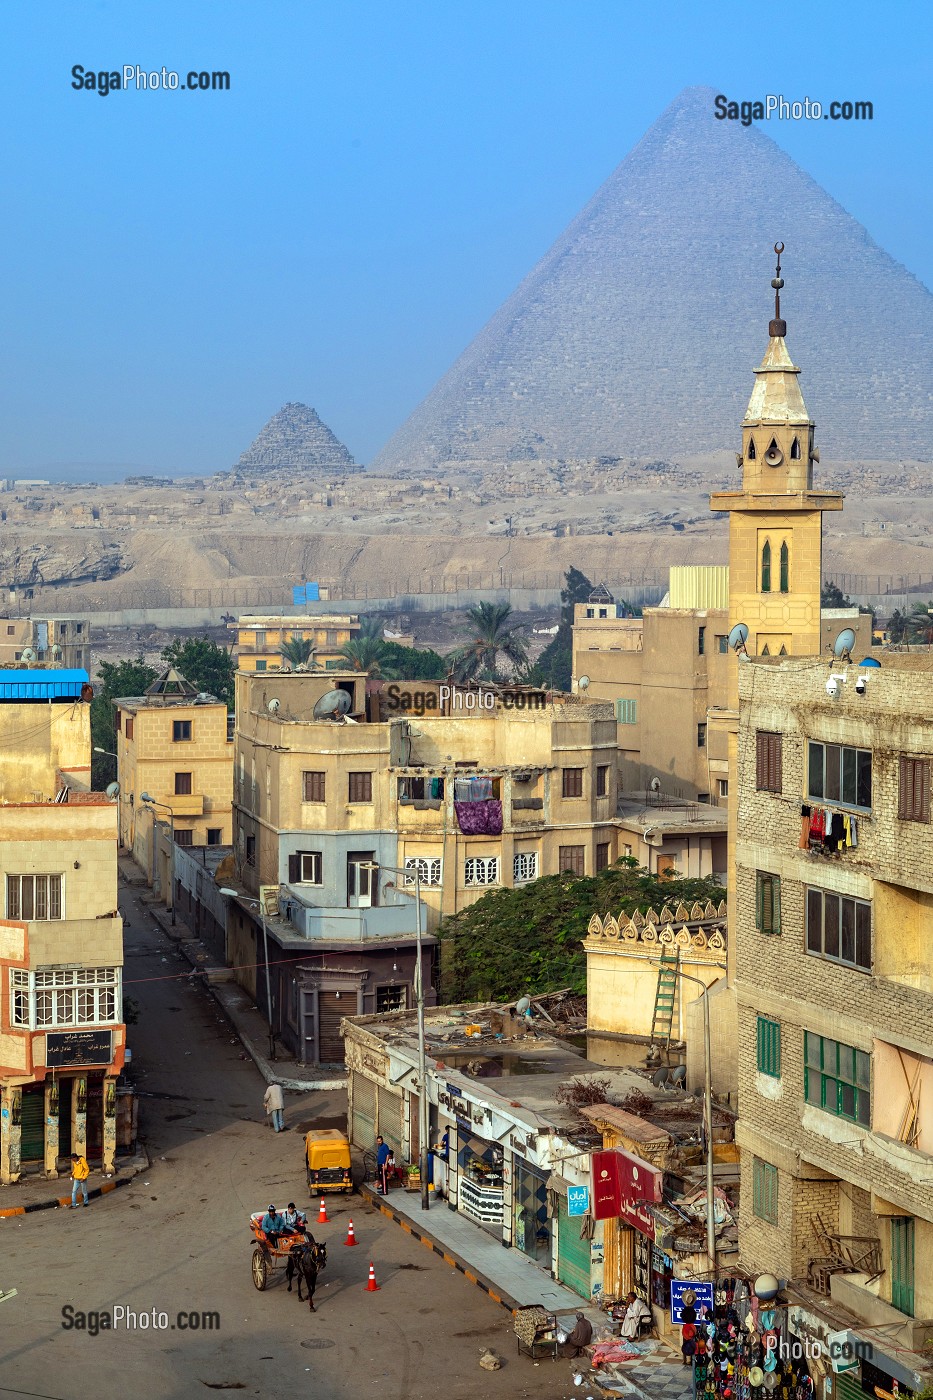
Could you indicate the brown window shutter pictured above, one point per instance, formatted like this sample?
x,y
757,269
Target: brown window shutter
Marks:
x,y
294,869
776,776
924,787
904,789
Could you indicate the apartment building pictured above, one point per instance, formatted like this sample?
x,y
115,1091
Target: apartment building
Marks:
x,y
834,983
62,1037
259,639
56,641
494,792
176,745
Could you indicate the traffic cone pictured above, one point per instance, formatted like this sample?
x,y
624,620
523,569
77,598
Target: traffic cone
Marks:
x,y
351,1238
372,1286
322,1214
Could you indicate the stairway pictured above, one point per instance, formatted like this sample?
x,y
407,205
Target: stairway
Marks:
x,y
665,998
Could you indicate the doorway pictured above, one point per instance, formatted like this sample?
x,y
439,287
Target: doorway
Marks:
x,y
362,883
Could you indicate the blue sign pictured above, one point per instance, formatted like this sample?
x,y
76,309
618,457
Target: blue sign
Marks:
x,y
303,593
702,1291
578,1200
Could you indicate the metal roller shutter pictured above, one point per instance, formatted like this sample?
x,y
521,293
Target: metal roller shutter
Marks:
x,y
846,1386
364,1112
390,1119
331,1010
32,1140
573,1253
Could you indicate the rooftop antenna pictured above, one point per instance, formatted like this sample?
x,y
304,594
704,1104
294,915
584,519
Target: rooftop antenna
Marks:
x,y
333,704
777,326
737,639
842,646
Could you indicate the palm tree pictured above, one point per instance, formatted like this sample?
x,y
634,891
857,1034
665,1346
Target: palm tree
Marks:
x,y
369,653
920,624
492,637
297,651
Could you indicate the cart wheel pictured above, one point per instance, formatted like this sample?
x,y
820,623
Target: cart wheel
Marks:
x,y
260,1269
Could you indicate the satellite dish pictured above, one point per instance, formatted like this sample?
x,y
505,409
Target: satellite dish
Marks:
x,y
113,791
678,1074
30,655
738,637
655,784
273,705
659,1078
55,652
842,646
331,704
583,683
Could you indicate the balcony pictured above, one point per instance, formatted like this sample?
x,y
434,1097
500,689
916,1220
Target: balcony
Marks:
x,y
348,925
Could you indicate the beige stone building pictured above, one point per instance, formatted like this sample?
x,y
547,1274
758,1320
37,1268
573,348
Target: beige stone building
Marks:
x,y
259,639
61,641
177,746
62,1037
834,921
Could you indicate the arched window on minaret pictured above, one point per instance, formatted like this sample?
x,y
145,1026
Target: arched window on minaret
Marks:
x,y
785,567
766,568
752,454
795,450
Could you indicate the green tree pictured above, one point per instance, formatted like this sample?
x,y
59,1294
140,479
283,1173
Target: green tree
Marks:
x,y
492,637
297,651
832,596
116,679
554,667
919,624
897,626
366,652
529,939
415,664
206,665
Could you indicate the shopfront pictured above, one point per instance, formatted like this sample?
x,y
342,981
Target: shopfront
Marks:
x,y
531,1227
625,1189
481,1185
574,1251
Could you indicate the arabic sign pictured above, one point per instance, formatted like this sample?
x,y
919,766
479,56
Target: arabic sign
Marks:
x,y
702,1291
64,1048
578,1200
623,1185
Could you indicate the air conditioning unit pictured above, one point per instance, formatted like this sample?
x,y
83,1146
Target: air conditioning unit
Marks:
x,y
522,777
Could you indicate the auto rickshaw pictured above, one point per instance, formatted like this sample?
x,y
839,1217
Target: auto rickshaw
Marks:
x,y
327,1161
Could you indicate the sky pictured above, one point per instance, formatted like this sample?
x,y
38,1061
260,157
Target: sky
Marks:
x,y
337,226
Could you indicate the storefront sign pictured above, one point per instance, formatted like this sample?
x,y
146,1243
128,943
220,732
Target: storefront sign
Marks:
x,y
578,1200
622,1184
702,1291
640,1180
66,1048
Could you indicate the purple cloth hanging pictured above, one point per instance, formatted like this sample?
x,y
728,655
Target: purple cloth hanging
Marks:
x,y
479,818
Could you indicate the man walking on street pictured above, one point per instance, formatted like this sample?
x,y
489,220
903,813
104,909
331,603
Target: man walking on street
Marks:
x,y
383,1154
80,1171
274,1104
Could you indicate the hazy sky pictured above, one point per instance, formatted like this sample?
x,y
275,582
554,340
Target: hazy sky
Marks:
x,y
337,227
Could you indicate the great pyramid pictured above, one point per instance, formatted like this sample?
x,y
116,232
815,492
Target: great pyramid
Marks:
x,y
295,437
636,334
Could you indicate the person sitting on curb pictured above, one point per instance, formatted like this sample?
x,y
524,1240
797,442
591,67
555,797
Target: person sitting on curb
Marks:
x,y
580,1337
80,1171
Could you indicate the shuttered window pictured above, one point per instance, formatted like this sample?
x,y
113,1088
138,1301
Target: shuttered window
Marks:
x,y
837,1078
314,787
572,782
913,798
602,856
626,711
769,1047
767,902
571,858
767,761
764,1191
360,787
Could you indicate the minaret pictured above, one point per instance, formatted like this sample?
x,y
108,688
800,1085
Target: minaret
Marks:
x,y
776,520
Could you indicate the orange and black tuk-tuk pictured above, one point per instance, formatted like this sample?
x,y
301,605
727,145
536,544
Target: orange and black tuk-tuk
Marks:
x,y
327,1161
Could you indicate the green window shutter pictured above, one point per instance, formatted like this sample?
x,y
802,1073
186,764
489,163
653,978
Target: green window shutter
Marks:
x,y
764,1191
768,903
769,1047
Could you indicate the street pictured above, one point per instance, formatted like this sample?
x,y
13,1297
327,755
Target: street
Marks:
x,y
176,1239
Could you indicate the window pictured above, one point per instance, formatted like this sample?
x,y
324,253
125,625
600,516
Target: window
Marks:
x,y
181,730
214,835
250,850
390,998
572,782
769,1047
36,897
902,1263
722,643
839,928
723,787
626,711
182,784
360,787
767,761
84,996
602,856
837,1078
260,638
19,997
11,631
767,902
571,858
481,870
429,869
602,780
306,868
766,567
913,796
313,787
795,450
128,727
184,837
701,641
261,665
525,867
751,454
840,774
785,567
764,1191
411,789
701,736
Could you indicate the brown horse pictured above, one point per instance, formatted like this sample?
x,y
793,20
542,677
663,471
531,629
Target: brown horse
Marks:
x,y
306,1260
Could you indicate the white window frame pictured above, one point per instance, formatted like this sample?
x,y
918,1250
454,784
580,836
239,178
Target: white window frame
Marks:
x,y
524,867
316,862
481,871
54,997
14,898
429,868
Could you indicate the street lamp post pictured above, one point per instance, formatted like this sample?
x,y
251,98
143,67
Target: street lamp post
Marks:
x,y
151,803
708,1107
419,1003
245,899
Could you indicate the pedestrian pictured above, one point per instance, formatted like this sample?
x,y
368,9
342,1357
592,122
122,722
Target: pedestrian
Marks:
x,y
80,1171
274,1103
383,1158
441,1158
580,1337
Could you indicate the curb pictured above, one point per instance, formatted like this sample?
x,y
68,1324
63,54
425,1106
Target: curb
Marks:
x,y
64,1202
453,1260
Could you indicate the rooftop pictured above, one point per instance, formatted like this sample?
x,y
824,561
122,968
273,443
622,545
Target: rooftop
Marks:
x,y
38,683
645,812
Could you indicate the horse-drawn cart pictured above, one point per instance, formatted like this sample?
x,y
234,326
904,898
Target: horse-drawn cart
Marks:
x,y
267,1260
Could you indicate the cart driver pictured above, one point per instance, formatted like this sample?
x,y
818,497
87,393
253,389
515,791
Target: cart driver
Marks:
x,y
296,1222
273,1225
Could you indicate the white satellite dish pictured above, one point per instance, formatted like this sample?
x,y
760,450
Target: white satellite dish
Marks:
x,y
655,784
273,705
55,652
738,637
583,683
28,655
842,646
113,791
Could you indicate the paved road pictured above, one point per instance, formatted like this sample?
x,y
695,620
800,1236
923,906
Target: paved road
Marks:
x,y
176,1239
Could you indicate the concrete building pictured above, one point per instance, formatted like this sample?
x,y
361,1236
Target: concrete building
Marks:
x,y
58,641
62,1037
177,746
259,639
493,792
833,923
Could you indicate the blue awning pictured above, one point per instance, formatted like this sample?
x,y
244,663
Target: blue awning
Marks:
x,y
39,684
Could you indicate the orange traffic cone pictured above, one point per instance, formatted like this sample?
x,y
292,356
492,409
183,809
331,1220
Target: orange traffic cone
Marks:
x,y
322,1214
372,1286
351,1238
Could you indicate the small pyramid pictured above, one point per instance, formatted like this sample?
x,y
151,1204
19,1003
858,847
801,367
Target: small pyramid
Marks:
x,y
296,438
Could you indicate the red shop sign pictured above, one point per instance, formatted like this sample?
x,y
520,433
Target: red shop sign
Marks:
x,y
623,1185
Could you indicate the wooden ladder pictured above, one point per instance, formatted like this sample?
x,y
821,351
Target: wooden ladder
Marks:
x,y
665,997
